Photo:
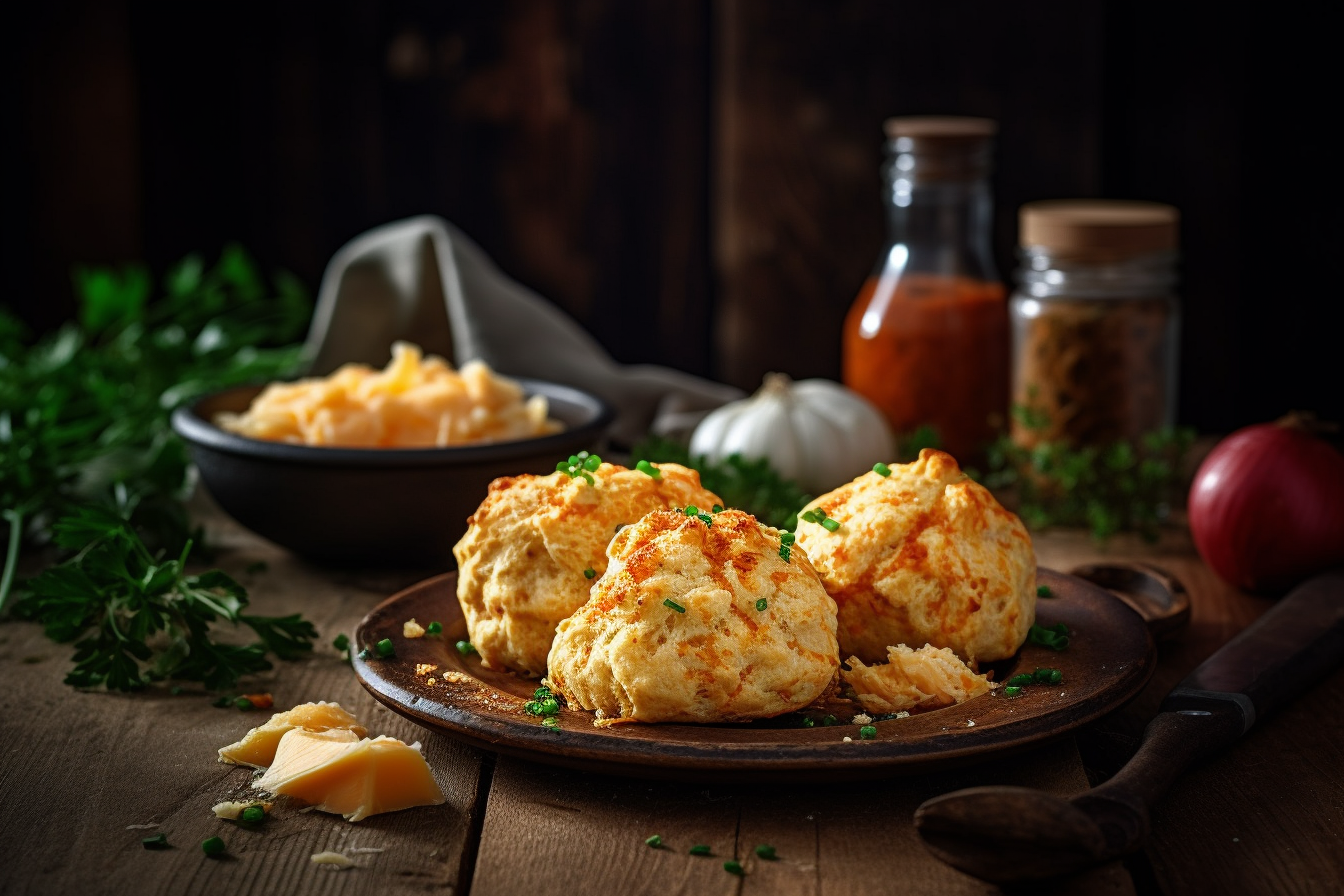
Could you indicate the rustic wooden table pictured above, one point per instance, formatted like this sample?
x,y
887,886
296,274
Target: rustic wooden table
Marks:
x,y
85,776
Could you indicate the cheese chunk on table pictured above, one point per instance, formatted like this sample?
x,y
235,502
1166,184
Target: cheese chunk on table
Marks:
x,y
339,773
257,748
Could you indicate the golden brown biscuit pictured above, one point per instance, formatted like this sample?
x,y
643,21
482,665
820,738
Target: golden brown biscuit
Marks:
x,y
927,678
698,623
522,562
924,555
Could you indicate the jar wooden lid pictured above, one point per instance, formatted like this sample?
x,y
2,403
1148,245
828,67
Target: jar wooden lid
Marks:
x,y
1102,228
940,126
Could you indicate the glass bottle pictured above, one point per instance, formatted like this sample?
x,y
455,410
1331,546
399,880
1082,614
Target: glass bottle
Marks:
x,y
1095,322
927,338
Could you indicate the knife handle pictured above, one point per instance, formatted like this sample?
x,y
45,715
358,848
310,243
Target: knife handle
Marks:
x,y
1289,648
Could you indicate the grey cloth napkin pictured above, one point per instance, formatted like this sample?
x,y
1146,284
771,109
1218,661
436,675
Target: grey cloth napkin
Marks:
x,y
424,281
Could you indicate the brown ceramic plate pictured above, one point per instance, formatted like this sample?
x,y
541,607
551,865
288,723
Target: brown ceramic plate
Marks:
x,y
1109,659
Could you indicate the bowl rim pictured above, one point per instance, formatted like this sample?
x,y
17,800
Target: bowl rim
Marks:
x,y
198,431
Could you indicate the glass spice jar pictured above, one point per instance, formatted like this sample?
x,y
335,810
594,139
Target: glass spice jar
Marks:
x,y
926,340
1095,322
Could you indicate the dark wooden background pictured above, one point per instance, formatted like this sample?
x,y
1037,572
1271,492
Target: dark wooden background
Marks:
x,y
696,182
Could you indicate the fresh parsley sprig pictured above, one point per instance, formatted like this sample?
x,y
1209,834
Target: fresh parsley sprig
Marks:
x,y
140,617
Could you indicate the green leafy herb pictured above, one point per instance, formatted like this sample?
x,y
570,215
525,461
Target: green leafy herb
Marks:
x,y
465,648
434,628
589,573
92,468
1022,678
766,851
137,618
649,469
761,604
243,704
253,815
828,720
546,704
881,469
1012,690
699,849
732,867
1116,488
1044,591
342,642
386,648
673,605
867,732
751,485
655,841
158,841
213,846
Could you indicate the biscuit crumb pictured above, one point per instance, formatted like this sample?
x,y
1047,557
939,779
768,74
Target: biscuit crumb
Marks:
x,y
412,629
424,668
862,719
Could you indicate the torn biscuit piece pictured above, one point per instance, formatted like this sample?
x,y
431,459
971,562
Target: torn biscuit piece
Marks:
x,y
927,678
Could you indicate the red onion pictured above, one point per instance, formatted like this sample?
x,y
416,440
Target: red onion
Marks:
x,y
1267,506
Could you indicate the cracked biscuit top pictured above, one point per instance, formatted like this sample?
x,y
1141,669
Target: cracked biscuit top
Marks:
x,y
698,619
925,555
536,544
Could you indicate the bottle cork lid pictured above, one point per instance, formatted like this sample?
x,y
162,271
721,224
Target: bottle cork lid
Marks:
x,y
1099,228
939,126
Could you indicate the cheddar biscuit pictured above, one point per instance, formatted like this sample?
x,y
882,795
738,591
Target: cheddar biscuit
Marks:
x,y
535,545
698,620
924,555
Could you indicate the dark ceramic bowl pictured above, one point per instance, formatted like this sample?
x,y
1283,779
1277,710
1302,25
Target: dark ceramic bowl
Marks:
x,y
372,506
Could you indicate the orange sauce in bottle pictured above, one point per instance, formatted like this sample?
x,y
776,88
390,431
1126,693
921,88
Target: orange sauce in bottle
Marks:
x,y
932,349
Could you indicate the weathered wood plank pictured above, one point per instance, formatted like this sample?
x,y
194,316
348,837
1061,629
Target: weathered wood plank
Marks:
x,y
554,831
79,769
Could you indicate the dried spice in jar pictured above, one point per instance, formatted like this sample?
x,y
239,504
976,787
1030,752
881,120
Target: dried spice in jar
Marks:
x,y
1095,322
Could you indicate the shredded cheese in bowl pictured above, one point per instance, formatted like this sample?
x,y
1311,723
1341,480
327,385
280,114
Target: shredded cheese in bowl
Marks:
x,y
415,402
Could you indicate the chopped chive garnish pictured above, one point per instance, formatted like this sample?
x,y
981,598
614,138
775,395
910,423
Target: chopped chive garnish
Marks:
x,y
717,508
765,851
700,849
655,841
385,648
465,648
434,628
828,720
549,706
818,516
786,538
649,469
881,469
732,867
223,702
580,465
1044,591
550,722
1012,690
761,604
706,519
692,510
365,654
213,846
243,703
541,692
342,642
253,814
532,708
867,732
1041,676
1021,678
808,722
158,841
589,573
784,553
1056,637
175,690
673,605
